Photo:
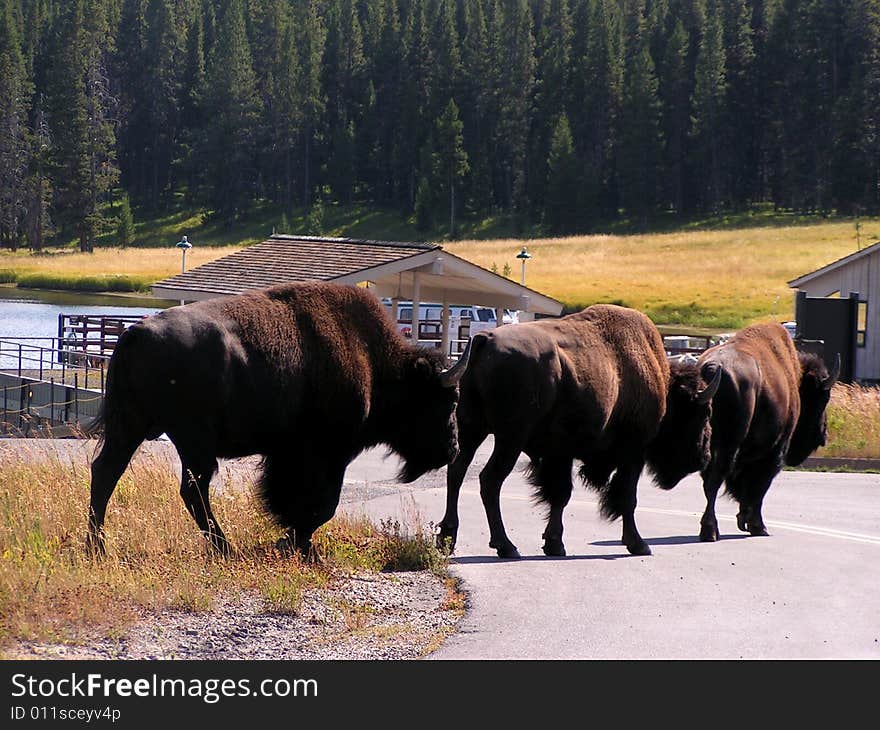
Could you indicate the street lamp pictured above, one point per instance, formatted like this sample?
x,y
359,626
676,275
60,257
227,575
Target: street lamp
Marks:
x,y
184,246
523,256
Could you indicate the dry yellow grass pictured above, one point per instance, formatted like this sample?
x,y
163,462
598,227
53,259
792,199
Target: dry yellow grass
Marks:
x,y
717,279
51,590
712,278
152,263
853,422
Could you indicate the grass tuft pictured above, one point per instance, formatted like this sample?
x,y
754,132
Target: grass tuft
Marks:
x,y
853,415
52,590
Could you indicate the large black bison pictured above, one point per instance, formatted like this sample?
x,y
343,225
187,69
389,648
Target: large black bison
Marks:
x,y
306,375
769,411
594,386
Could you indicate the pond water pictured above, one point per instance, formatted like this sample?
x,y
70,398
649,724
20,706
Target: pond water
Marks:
x,y
32,313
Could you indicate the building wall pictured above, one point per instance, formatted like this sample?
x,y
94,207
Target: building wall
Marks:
x,y
862,276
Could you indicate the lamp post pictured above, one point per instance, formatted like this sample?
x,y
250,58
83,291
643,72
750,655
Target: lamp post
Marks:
x,y
184,246
523,256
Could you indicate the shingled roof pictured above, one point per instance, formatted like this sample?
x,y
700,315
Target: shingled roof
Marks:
x,y
422,271
283,258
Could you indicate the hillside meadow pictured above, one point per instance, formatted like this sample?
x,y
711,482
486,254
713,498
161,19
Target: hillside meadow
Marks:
x,y
714,279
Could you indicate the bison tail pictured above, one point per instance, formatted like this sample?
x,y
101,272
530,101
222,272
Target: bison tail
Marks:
x,y
118,414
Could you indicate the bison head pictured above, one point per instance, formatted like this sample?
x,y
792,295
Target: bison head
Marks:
x,y
425,433
815,390
681,446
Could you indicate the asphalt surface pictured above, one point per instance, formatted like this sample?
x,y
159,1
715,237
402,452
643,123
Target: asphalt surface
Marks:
x,y
809,590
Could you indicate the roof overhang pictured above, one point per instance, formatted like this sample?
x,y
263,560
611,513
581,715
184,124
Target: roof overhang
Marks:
x,y
434,274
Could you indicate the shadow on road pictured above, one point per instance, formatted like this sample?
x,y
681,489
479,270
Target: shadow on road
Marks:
x,y
671,540
487,559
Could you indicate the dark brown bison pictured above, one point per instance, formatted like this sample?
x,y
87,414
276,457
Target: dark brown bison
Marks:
x,y
307,375
593,386
769,410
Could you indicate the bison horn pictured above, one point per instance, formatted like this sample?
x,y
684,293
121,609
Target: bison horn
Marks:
x,y
829,382
706,394
449,378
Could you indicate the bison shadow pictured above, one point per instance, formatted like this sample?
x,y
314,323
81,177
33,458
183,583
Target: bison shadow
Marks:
x,y
488,559
672,540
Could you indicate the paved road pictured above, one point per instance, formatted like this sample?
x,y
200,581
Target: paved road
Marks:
x,y
810,590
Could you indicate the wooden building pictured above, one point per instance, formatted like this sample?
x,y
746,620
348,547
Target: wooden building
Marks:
x,y
855,277
413,272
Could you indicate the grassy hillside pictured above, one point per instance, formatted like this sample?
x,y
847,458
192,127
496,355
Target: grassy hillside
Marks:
x,y
717,279
718,273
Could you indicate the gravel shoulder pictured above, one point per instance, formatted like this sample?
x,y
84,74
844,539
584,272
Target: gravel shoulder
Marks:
x,y
404,615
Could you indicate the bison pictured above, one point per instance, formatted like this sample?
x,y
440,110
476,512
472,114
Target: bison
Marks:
x,y
769,411
306,375
594,386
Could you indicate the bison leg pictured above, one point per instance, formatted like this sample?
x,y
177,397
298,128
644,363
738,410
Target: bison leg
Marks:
x,y
749,486
492,476
469,441
622,490
554,480
195,483
107,468
713,478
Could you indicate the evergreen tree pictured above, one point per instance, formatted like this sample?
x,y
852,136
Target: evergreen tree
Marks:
x,y
640,134
476,103
561,208
346,82
161,95
232,107
452,160
15,92
709,110
601,108
124,223
675,93
515,60
553,49
739,135
310,41
80,112
418,67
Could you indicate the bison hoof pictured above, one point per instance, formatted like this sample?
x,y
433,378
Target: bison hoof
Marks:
x,y
709,533
507,551
445,541
742,521
554,548
95,546
758,531
639,548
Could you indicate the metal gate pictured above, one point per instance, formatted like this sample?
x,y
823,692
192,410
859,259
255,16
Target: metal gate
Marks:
x,y
834,321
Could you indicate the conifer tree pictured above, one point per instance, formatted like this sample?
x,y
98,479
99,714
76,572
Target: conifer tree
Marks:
x,y
561,208
452,160
232,108
310,40
516,63
640,133
709,109
15,93
80,109
553,49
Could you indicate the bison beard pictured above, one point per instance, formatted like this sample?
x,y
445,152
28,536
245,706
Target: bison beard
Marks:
x,y
306,375
593,387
